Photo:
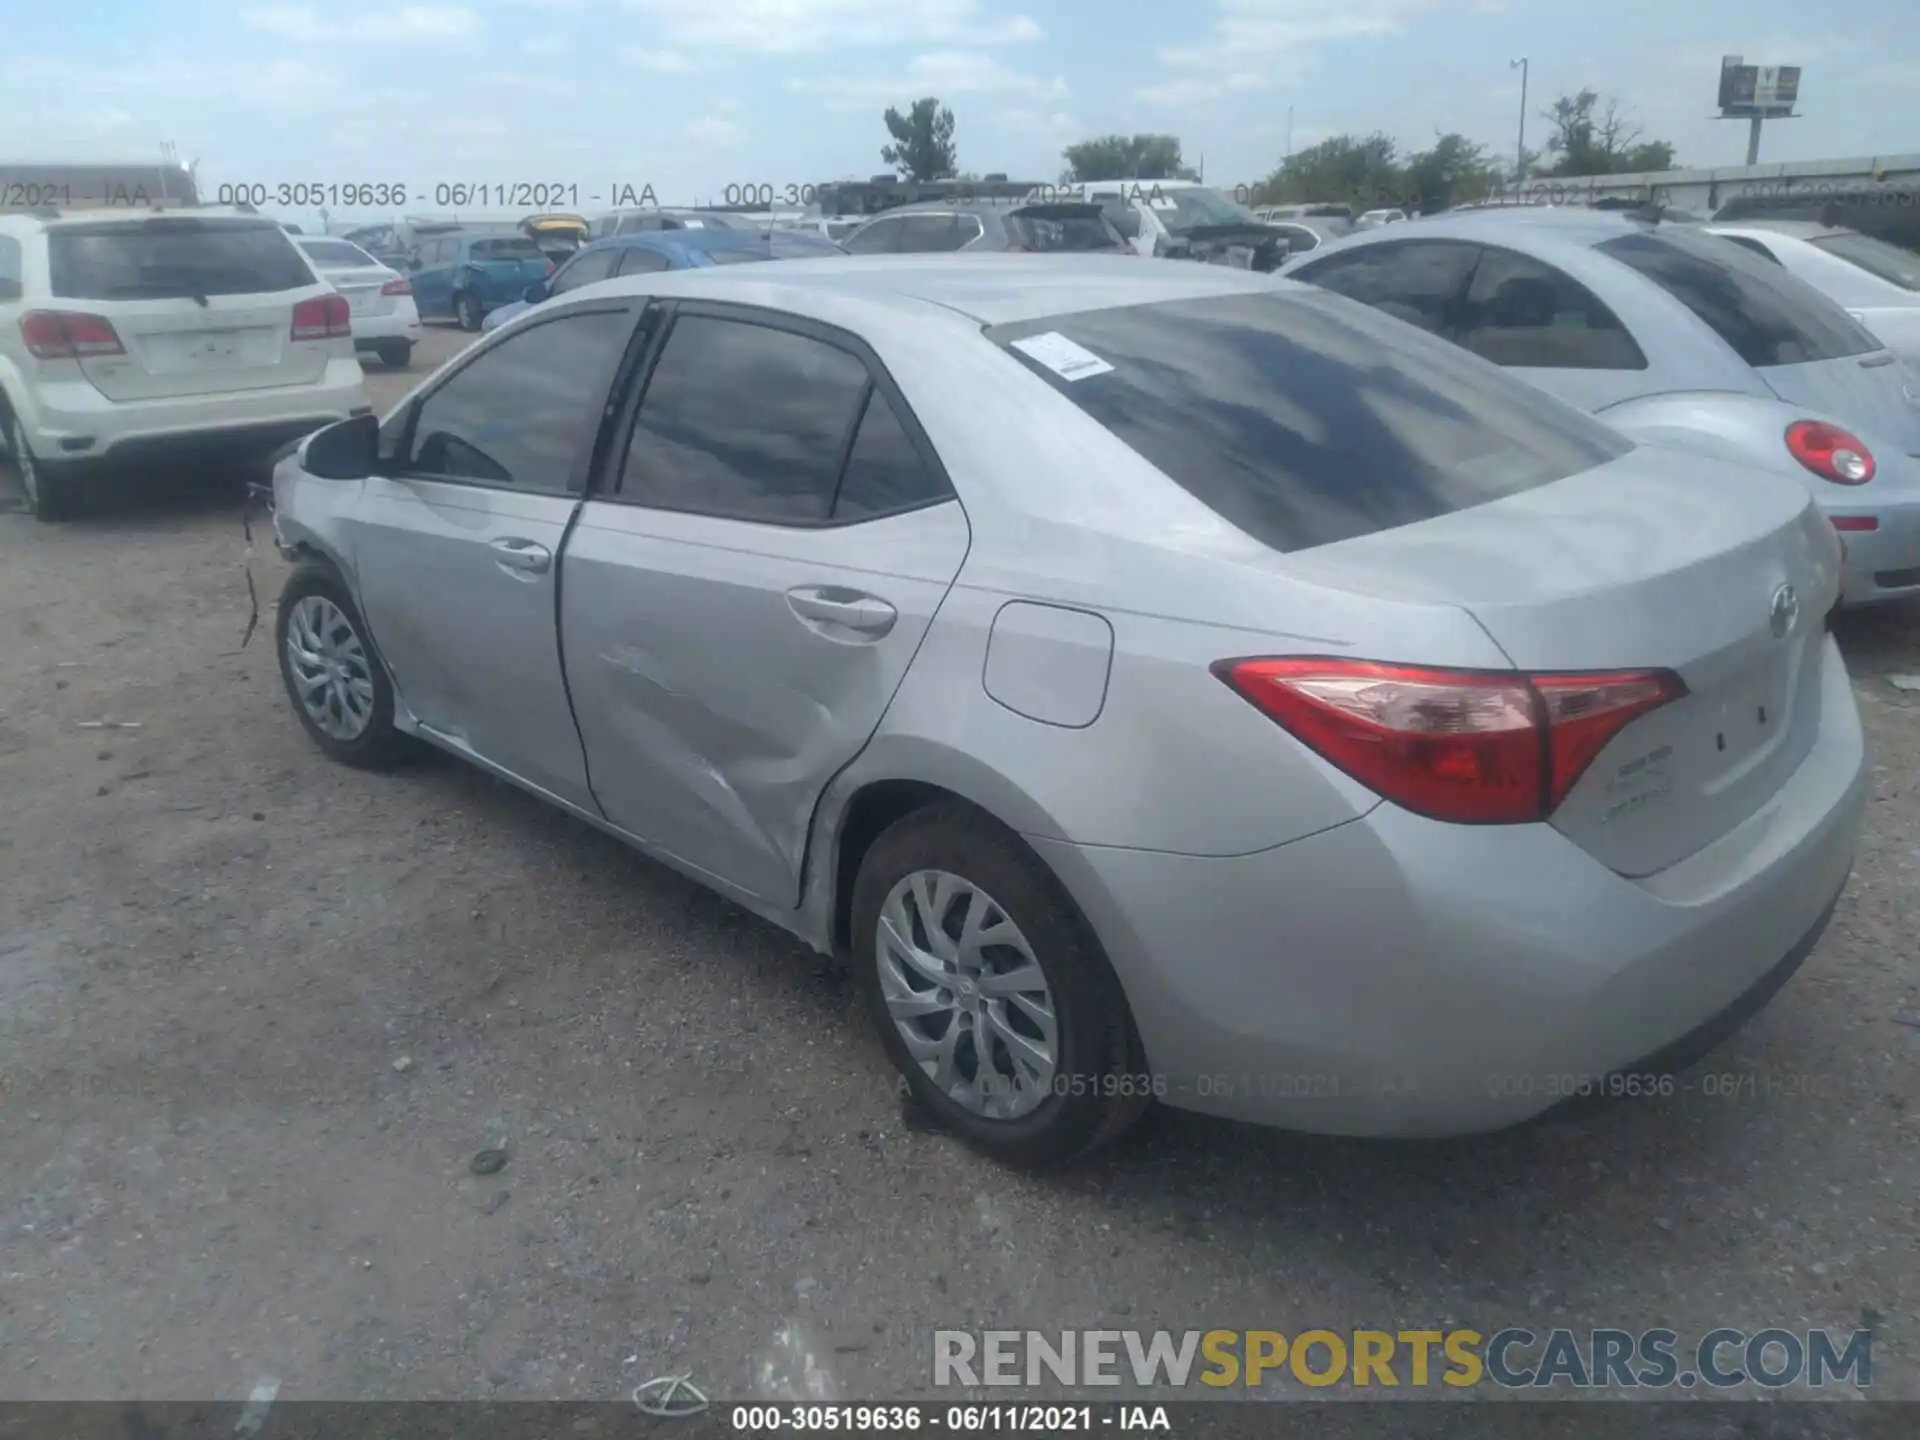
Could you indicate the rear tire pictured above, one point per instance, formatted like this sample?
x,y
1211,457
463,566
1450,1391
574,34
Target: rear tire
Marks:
x,y
952,866
466,310
326,653
53,493
395,354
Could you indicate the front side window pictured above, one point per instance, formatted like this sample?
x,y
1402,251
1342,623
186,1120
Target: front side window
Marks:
x,y
1765,315
1523,313
1304,420
523,414
1416,281
745,422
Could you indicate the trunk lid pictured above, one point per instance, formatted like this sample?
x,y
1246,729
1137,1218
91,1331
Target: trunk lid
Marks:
x,y
1654,560
1869,391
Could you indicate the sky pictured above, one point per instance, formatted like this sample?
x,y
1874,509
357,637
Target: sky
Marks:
x,y
691,97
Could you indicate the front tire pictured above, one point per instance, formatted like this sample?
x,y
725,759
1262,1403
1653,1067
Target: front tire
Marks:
x,y
52,494
334,677
990,992
466,310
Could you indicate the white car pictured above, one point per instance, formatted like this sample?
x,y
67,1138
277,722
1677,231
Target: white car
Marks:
x,y
1374,219
380,298
137,334
1164,217
1877,283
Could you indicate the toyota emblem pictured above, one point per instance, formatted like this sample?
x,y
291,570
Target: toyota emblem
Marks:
x,y
1785,611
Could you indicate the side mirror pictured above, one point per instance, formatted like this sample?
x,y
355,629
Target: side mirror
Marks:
x,y
535,292
345,450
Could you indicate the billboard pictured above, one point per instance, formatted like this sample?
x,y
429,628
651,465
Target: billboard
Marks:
x,y
1765,90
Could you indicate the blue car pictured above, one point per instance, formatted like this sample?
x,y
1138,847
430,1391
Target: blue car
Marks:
x,y
650,250
464,276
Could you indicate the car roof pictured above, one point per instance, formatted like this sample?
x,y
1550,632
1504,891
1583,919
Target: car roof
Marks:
x,y
980,289
1516,225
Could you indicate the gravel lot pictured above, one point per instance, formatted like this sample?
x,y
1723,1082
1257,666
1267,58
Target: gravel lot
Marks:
x,y
258,1012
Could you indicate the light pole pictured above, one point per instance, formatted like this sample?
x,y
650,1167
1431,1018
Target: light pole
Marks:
x,y
1520,150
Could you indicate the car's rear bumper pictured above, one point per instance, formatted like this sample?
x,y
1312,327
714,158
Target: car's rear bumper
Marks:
x,y
401,323
1399,976
72,422
1882,563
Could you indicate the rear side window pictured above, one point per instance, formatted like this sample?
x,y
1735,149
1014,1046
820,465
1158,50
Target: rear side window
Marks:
x,y
884,471
1764,314
172,255
743,421
878,237
1305,420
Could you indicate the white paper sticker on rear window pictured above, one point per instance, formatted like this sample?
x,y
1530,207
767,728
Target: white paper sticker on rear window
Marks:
x,y
1060,355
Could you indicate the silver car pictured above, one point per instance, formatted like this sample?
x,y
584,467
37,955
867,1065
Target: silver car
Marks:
x,y
1272,711
1877,283
1678,337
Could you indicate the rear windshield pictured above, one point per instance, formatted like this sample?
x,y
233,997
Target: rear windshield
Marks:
x,y
1767,316
1061,227
1876,257
514,249
1304,418
336,252
173,255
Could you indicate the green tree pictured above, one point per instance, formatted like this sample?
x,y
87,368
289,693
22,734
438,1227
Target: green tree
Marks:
x,y
1453,172
1361,171
923,146
1126,157
1587,140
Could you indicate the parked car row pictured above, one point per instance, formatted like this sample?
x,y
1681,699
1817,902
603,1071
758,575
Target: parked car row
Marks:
x,y
1565,782
1683,337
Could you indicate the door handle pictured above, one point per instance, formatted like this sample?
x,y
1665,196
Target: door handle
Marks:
x,y
516,554
848,609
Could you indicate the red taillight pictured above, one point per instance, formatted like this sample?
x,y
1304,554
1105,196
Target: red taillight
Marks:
x,y
398,286
68,335
325,317
1471,746
551,267
1830,452
1855,522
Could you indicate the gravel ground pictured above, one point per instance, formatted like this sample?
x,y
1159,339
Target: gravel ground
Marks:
x,y
258,1012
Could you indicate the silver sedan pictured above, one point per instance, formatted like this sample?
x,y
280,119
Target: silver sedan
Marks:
x,y
1155,681
1678,337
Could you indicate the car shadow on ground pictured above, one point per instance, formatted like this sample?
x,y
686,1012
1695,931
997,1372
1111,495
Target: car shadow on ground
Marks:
x,y
137,496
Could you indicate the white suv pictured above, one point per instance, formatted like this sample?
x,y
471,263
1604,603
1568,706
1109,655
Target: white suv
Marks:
x,y
139,334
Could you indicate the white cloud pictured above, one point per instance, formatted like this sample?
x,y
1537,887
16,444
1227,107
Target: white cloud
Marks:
x,y
785,26
1254,43
408,22
665,62
945,73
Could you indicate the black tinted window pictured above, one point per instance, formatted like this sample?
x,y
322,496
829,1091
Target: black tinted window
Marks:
x,y
1417,281
1061,228
884,471
173,255
636,260
1522,313
1304,420
743,421
524,414
875,238
584,270
1767,316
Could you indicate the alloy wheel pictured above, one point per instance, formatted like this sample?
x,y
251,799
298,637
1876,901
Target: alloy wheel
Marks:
x,y
967,995
328,664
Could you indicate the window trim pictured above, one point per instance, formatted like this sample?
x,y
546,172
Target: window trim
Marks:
x,y
578,476
1473,277
610,461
